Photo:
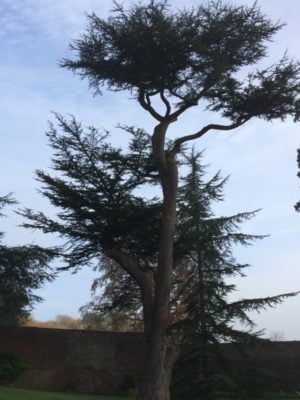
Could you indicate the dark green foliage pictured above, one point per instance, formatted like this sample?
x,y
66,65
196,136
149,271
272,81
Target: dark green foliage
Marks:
x,y
205,243
22,269
250,381
240,378
186,56
10,367
259,93
179,47
201,312
95,195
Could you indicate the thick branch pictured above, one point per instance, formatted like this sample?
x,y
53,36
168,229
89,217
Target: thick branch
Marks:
x,y
146,104
130,265
144,279
166,102
178,142
158,145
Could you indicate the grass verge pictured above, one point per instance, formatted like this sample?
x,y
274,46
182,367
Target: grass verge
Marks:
x,y
22,394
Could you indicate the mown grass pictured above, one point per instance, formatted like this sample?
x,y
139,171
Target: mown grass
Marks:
x,y
269,396
21,394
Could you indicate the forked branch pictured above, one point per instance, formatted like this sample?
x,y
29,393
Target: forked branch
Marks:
x,y
144,100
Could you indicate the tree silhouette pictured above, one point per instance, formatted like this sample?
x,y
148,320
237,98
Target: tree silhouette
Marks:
x,y
178,60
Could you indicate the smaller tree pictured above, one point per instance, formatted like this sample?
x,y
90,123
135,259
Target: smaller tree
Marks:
x,y
118,305
22,270
205,244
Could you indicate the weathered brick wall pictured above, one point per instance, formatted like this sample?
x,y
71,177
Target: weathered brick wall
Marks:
x,y
279,358
73,360
100,362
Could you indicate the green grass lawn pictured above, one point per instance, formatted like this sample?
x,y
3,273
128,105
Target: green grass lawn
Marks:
x,y
270,396
21,394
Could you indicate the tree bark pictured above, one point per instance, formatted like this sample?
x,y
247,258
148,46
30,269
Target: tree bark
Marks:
x,y
161,351
157,372
144,279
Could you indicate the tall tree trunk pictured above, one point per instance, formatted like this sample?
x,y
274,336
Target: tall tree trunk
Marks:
x,y
161,352
157,372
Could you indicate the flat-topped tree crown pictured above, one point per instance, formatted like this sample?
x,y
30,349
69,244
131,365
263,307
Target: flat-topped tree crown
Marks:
x,y
188,55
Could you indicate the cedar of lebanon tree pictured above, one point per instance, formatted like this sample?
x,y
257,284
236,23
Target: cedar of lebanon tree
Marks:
x,y
184,59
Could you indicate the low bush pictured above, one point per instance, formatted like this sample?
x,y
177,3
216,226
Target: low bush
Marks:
x,y
10,367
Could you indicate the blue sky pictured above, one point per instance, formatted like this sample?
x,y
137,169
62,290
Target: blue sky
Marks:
x,y
260,157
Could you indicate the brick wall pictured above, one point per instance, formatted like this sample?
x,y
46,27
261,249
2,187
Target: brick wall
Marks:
x,y
73,360
101,362
280,358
